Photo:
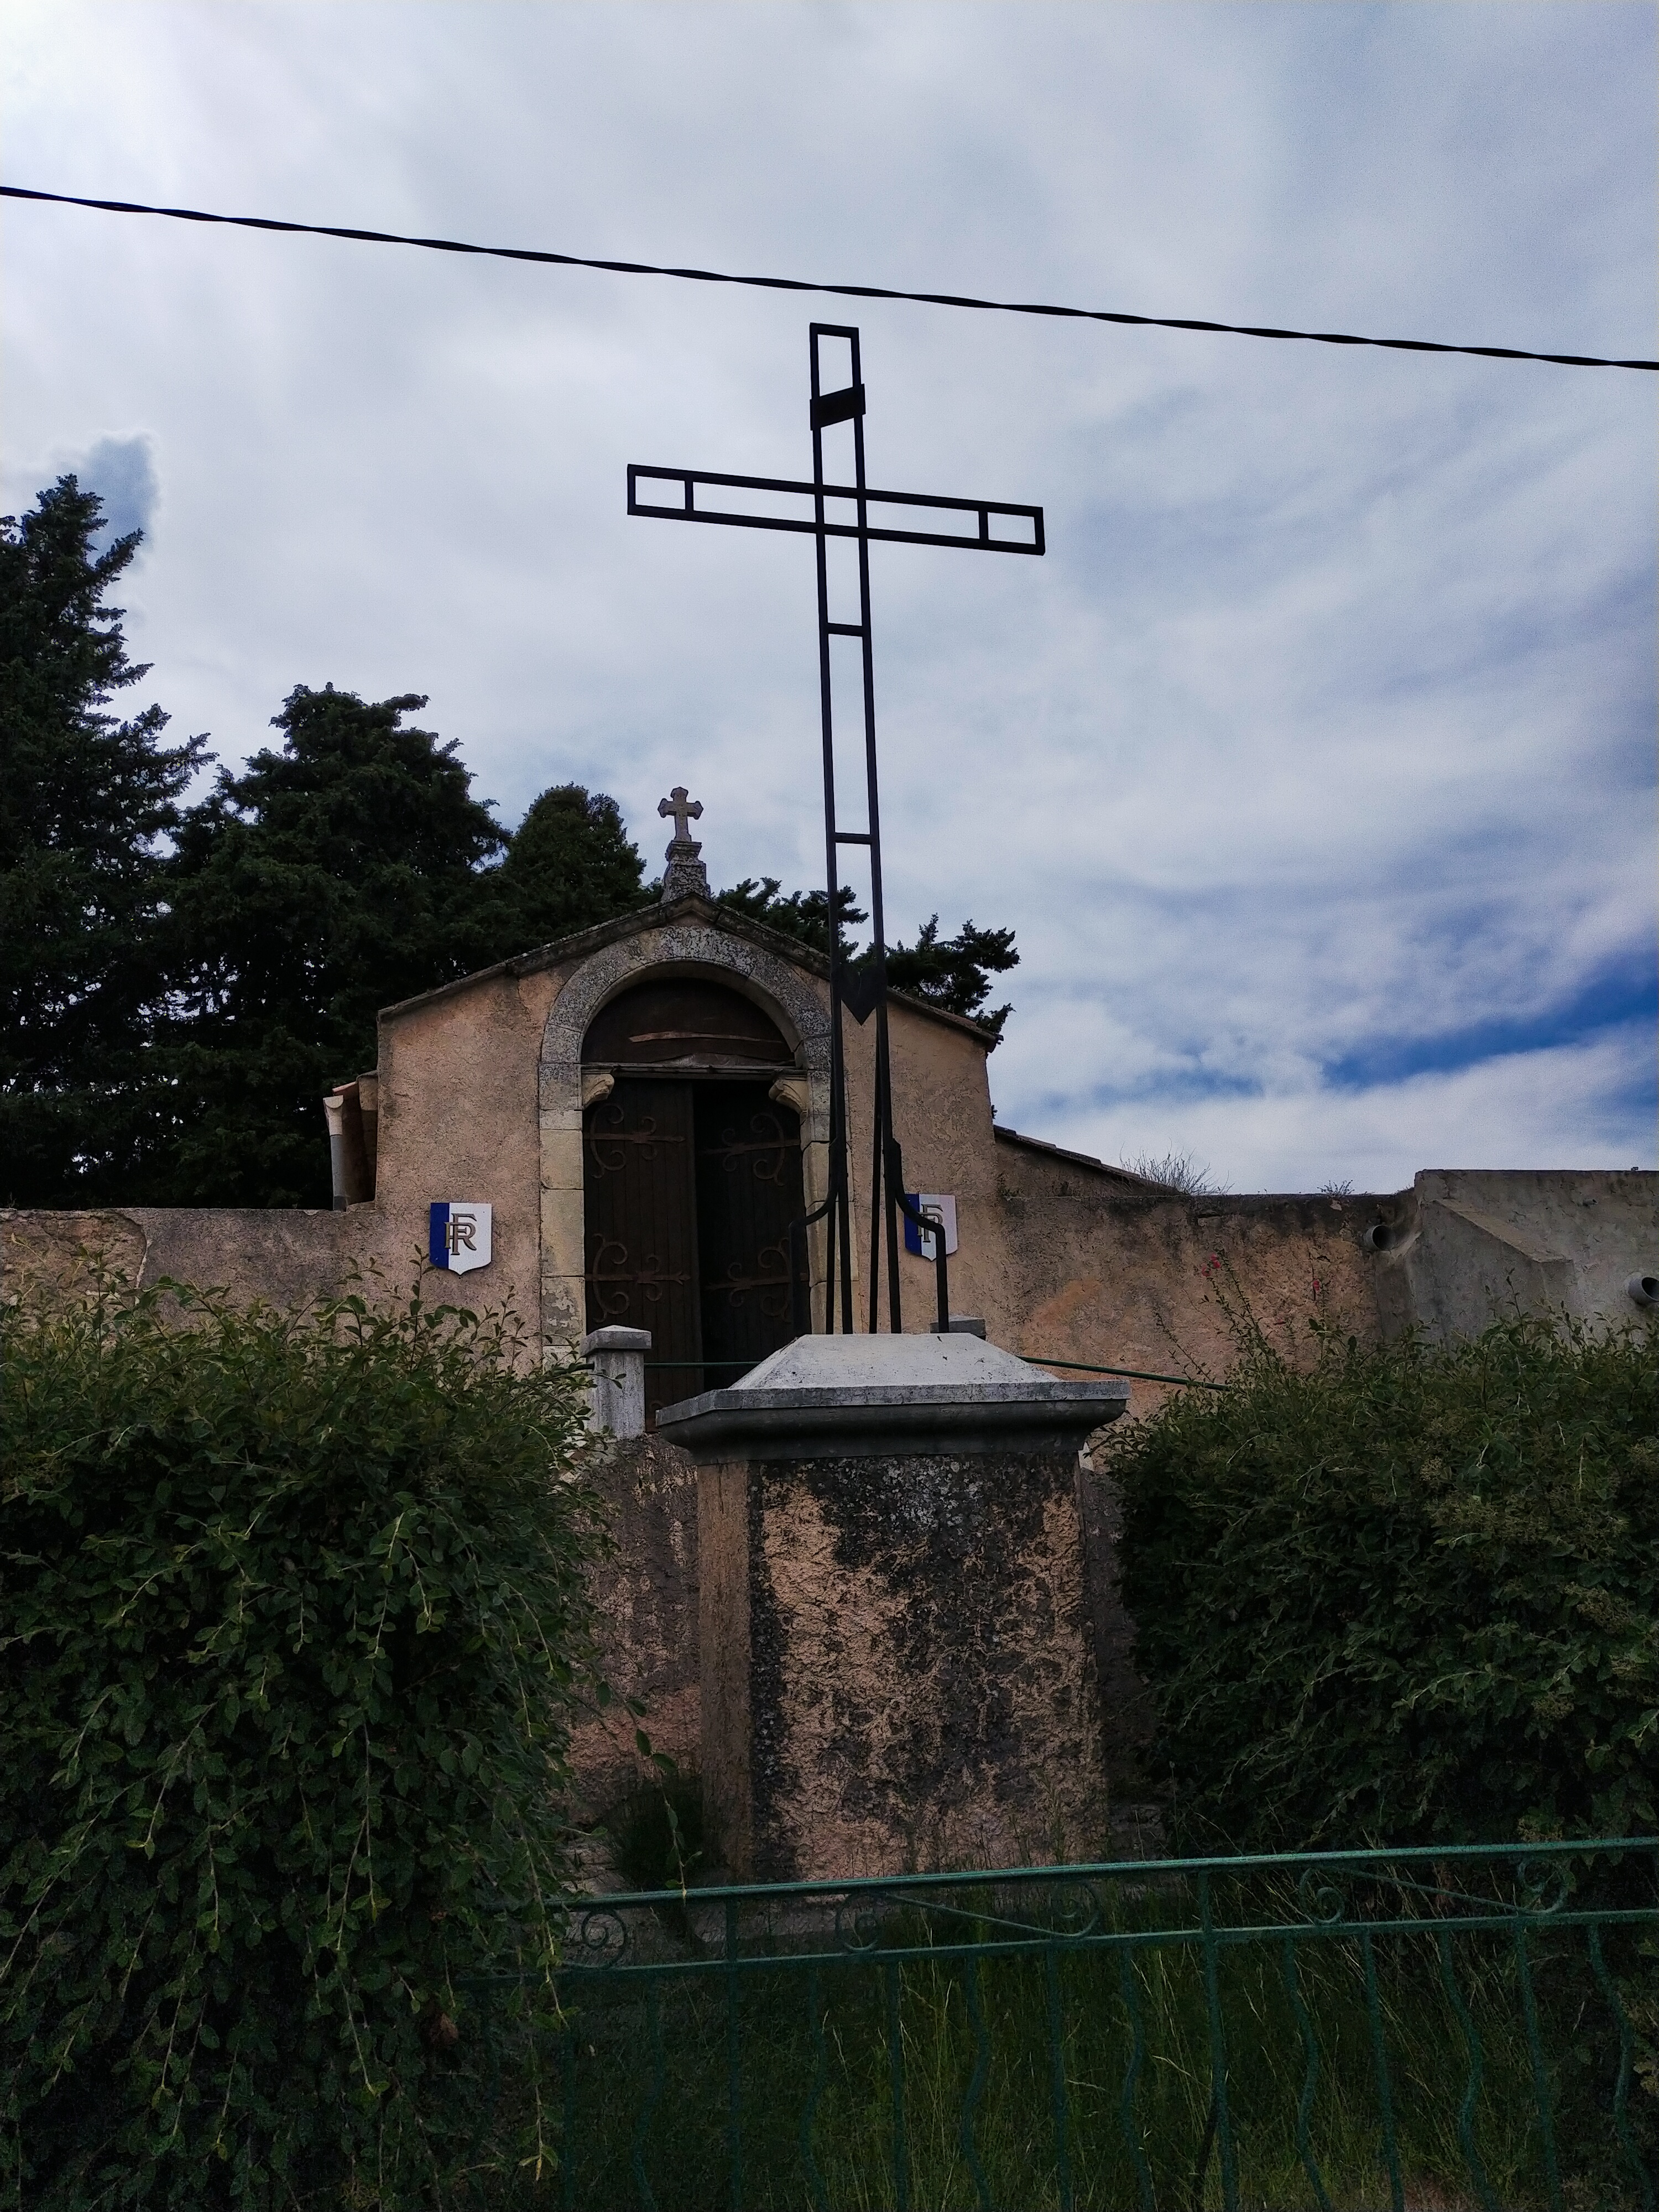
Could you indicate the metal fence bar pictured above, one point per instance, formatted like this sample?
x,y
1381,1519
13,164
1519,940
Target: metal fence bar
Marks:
x,y
1057,2100
895,1995
648,2110
567,2162
1222,2118
1540,2078
809,2110
975,2088
1428,1859
1130,1983
1304,2149
1380,2071
1470,2106
733,2069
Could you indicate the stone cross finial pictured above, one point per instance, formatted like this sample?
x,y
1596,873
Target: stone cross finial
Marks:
x,y
685,811
685,877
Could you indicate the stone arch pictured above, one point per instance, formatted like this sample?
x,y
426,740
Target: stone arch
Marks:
x,y
789,997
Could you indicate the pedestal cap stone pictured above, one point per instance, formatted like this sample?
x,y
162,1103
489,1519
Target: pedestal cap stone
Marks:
x,y
840,1397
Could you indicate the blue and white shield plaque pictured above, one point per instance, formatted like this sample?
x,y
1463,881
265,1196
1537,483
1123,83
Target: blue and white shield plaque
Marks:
x,y
460,1236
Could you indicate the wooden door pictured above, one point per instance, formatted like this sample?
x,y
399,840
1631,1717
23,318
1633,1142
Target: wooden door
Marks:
x,y
748,1191
640,1221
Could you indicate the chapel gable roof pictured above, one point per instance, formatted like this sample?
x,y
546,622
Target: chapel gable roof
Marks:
x,y
565,950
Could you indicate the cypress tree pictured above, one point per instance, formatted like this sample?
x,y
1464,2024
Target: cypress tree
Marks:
x,y
330,878
86,803
570,865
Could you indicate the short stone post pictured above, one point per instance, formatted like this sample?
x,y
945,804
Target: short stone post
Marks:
x,y
618,1358
896,1663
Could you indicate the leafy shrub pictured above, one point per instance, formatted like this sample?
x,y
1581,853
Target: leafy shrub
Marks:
x,y
1408,1594
292,1623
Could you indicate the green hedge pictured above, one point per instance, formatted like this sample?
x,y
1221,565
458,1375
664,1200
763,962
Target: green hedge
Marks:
x,y
1407,1593
293,1623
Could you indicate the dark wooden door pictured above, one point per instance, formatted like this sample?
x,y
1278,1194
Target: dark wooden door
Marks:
x,y
689,1191
748,1191
640,1221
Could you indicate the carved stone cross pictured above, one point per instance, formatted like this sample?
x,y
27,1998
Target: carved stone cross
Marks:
x,y
685,877
685,812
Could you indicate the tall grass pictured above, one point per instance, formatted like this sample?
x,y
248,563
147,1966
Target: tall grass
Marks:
x,y
647,2096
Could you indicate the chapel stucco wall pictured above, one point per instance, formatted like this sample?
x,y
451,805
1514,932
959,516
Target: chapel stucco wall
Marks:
x,y
942,1118
458,1119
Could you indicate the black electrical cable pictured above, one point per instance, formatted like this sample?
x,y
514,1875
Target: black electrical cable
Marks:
x,y
801,284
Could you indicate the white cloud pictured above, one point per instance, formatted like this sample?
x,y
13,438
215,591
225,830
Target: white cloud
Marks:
x,y
1322,739
1566,1107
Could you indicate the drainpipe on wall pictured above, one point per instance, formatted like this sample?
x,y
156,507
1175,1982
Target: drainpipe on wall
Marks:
x,y
334,1107
349,1156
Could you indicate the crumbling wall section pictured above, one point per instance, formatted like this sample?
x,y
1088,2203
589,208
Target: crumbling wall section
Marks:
x,y
646,1596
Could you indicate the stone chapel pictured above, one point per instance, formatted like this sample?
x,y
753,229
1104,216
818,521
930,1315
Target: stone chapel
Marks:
x,y
644,1108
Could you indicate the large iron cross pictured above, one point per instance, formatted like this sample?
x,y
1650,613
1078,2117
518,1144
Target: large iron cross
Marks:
x,y
823,510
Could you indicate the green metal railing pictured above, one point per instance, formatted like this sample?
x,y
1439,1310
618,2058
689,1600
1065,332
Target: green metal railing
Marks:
x,y
1459,2026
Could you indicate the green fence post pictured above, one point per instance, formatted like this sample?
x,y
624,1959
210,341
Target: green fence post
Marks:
x,y
975,2088
734,2066
896,2081
568,2144
810,2109
1217,2050
1384,2084
1304,2149
1540,2078
1130,1983
648,2110
1057,2098
1466,2110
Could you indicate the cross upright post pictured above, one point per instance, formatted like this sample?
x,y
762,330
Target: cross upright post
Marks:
x,y
843,510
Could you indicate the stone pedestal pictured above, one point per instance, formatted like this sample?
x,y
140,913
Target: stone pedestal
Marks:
x,y
617,1356
895,1660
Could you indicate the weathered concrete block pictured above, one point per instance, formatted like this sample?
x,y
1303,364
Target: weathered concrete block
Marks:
x,y
896,1660
645,1596
896,1667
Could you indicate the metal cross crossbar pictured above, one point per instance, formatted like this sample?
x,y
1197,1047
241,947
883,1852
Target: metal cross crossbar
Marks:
x,y
843,511
687,510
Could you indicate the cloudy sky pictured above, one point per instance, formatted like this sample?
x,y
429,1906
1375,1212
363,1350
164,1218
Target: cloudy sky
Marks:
x,y
1314,765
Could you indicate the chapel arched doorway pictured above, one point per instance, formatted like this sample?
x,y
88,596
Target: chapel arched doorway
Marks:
x,y
691,1174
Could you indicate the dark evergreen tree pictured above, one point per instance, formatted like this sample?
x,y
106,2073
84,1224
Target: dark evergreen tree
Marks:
x,y
327,881
87,801
955,973
569,866
803,915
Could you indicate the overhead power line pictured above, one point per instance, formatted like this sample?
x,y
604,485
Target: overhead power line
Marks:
x,y
803,284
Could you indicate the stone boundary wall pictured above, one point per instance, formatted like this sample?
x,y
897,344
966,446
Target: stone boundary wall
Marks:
x,y
284,1256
